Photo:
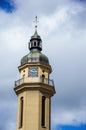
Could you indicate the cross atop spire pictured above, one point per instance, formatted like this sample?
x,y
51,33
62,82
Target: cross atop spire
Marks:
x,y
36,21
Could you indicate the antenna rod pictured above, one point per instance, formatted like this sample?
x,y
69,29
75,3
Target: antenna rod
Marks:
x,y
36,21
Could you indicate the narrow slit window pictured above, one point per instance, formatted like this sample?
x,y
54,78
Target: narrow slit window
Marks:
x,y
21,112
30,45
34,43
43,78
43,112
38,43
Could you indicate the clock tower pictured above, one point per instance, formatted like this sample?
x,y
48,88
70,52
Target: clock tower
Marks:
x,y
34,88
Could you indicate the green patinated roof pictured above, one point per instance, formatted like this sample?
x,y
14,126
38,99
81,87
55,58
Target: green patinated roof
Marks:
x,y
36,56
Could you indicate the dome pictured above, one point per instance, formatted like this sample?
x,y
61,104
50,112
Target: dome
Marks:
x,y
35,56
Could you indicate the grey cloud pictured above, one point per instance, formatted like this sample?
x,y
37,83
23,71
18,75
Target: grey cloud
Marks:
x,y
69,72
70,81
39,7
7,117
79,1
65,47
8,107
80,18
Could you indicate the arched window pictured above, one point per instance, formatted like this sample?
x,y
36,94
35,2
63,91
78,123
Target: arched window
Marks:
x,y
43,77
29,44
32,45
21,112
35,43
38,43
43,112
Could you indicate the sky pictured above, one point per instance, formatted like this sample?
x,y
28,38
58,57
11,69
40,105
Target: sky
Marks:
x,y
62,27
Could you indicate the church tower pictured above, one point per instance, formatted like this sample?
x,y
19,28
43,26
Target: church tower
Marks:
x,y
34,88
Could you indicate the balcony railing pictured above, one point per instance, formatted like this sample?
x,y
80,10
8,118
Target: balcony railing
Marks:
x,y
34,80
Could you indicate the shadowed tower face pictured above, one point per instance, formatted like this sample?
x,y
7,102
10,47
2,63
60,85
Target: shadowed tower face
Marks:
x,y
34,88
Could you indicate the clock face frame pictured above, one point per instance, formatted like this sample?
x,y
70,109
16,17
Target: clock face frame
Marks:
x,y
33,71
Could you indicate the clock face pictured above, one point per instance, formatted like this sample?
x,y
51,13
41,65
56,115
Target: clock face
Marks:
x,y
33,72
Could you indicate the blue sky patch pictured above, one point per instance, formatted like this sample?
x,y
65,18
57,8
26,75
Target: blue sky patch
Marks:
x,y
80,0
7,5
70,127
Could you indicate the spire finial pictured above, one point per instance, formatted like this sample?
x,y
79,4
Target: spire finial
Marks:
x,y
36,21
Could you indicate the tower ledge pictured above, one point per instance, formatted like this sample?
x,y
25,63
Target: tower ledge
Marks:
x,y
38,83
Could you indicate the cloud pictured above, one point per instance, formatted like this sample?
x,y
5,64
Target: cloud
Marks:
x,y
69,76
80,1
63,31
67,48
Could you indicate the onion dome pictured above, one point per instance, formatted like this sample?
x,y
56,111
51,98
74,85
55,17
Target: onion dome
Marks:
x,y
35,56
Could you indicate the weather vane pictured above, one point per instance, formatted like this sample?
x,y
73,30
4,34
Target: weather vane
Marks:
x,y
36,21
